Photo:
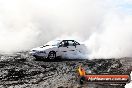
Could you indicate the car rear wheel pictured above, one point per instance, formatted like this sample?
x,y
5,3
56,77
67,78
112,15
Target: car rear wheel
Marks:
x,y
52,55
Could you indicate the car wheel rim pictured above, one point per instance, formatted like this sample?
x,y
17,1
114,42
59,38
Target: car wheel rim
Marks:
x,y
52,56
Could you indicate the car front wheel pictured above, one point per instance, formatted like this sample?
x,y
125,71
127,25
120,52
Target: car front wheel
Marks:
x,y
52,55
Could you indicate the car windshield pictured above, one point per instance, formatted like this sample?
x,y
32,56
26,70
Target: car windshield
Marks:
x,y
53,43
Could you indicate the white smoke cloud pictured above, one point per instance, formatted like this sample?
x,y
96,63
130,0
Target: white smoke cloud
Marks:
x,y
28,23
115,38
102,24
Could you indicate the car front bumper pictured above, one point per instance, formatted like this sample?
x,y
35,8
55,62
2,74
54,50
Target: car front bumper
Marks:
x,y
40,54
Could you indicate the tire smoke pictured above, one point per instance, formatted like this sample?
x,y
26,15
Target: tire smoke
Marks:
x,y
105,26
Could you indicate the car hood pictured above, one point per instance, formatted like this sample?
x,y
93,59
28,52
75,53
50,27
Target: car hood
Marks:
x,y
42,48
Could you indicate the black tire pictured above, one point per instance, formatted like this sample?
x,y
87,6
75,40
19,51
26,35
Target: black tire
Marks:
x,y
52,55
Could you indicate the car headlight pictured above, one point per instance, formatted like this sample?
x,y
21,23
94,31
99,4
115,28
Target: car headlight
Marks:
x,y
35,51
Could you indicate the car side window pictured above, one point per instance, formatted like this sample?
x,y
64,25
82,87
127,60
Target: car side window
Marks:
x,y
61,44
71,43
64,44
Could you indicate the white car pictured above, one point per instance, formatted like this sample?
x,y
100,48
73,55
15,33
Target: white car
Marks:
x,y
63,48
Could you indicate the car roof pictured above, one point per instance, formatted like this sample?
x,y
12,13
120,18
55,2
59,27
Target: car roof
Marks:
x,y
67,40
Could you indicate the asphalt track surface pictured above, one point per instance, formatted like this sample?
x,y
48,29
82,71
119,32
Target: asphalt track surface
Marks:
x,y
21,70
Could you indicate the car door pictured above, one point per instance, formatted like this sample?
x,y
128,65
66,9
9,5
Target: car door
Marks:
x,y
63,48
71,46
71,50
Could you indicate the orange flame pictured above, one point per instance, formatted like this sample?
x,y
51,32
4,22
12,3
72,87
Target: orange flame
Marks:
x,y
81,71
